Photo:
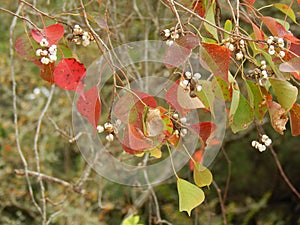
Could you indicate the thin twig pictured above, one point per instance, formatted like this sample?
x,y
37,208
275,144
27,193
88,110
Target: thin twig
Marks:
x,y
36,153
15,109
228,175
282,173
223,210
16,15
50,179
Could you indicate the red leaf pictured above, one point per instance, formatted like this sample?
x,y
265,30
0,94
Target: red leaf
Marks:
x,y
46,72
68,74
259,34
130,102
25,48
188,41
198,157
172,99
204,130
175,56
217,58
294,48
53,34
290,66
250,2
134,141
277,29
199,7
295,119
89,106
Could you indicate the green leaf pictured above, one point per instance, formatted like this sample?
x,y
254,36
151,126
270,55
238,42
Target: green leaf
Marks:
x,y
131,220
222,89
206,95
241,114
190,196
202,175
256,100
286,10
228,27
285,92
210,16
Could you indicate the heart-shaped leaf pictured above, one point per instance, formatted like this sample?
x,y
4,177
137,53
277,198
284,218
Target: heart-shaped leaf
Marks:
x,y
190,196
285,92
217,58
69,73
89,106
52,33
295,119
202,175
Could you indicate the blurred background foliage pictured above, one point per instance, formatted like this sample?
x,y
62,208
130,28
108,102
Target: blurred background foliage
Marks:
x,y
256,192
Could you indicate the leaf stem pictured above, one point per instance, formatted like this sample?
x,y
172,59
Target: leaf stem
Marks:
x,y
171,158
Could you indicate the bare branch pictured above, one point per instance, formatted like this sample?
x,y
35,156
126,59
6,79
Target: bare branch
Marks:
x,y
51,179
15,109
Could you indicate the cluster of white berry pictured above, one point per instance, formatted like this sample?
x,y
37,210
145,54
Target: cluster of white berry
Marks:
x,y
276,46
110,129
178,122
80,37
46,53
261,73
266,142
235,45
190,83
170,35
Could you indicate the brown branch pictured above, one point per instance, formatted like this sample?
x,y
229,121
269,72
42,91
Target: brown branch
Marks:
x,y
282,173
223,210
228,175
51,179
20,17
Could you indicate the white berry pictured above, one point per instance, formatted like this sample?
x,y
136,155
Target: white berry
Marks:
x,y
175,116
100,129
183,119
281,54
184,83
239,56
271,51
188,74
197,76
167,32
231,47
45,60
169,42
109,137
38,52
85,42
199,87
268,142
44,42
52,58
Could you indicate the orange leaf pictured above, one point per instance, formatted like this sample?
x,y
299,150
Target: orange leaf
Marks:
x,y
295,119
